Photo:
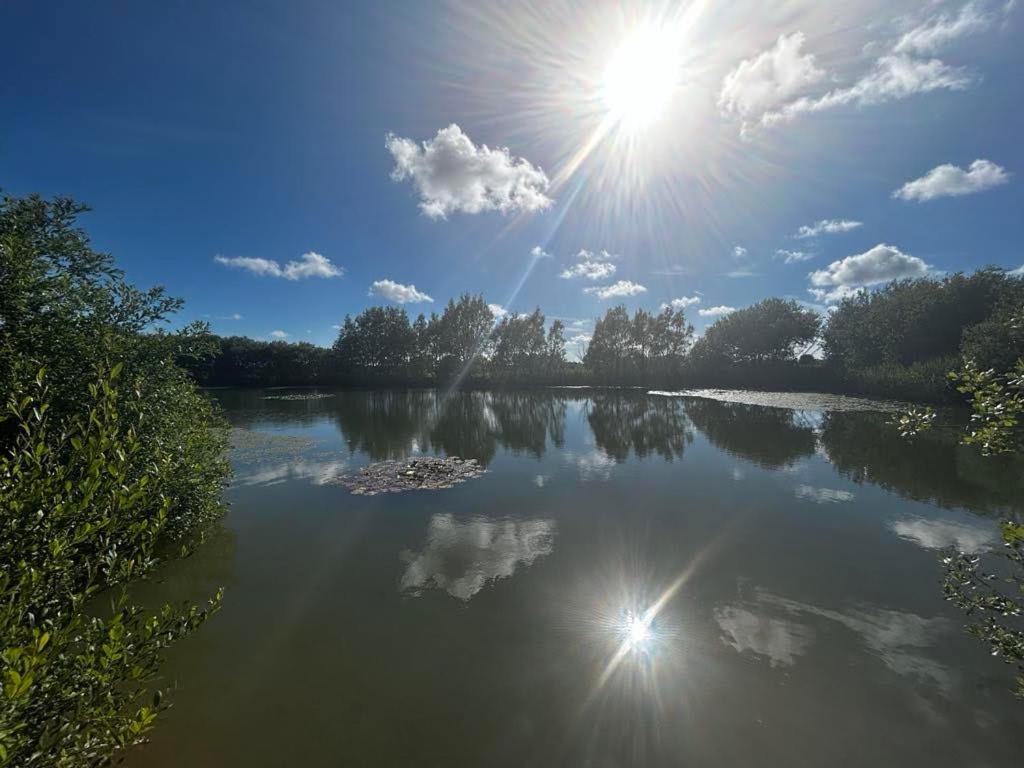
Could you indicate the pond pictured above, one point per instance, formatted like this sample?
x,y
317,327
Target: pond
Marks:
x,y
636,579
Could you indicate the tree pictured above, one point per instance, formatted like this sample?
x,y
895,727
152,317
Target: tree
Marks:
x,y
462,334
378,342
772,330
554,348
611,344
519,343
912,321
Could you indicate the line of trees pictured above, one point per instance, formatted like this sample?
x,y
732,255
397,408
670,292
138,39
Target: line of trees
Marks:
x,y
898,341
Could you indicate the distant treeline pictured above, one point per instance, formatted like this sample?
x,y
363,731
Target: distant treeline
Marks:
x,y
898,341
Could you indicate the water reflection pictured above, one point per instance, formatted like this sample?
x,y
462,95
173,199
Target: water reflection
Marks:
x,y
862,445
972,538
899,639
389,425
315,472
462,557
822,495
780,640
646,425
770,437
933,468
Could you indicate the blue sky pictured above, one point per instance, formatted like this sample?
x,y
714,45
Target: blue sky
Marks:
x,y
433,146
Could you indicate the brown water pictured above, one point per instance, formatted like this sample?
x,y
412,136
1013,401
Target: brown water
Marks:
x,y
637,580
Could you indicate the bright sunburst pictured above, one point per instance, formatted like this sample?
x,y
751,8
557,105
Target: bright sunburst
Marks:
x,y
641,77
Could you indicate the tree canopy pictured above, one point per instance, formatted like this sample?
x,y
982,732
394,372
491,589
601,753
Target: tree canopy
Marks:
x,y
771,330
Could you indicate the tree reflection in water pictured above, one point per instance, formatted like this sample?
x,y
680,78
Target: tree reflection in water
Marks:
x,y
933,468
771,437
393,424
646,425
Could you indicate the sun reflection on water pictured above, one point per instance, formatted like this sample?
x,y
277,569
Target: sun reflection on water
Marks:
x,y
637,632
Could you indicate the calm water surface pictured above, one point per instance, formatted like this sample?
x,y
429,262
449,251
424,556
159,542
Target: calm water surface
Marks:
x,y
637,580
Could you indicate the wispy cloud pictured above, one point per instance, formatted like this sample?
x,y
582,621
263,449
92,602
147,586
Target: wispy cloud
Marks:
x,y
739,251
539,253
793,257
453,175
309,265
398,293
826,227
941,30
741,272
783,82
591,266
952,181
892,78
616,290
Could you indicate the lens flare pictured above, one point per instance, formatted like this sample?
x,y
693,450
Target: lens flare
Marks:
x,y
642,77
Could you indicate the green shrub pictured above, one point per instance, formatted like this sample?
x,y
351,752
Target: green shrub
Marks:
x,y
926,381
86,507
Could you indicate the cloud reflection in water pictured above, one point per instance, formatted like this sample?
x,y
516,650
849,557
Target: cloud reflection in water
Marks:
x,y
463,557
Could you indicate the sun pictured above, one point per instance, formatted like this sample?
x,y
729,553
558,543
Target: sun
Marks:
x,y
641,78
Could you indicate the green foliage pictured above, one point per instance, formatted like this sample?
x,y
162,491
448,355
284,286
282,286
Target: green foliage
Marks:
x,y
926,381
100,474
641,348
771,330
86,506
997,405
913,321
995,600
379,340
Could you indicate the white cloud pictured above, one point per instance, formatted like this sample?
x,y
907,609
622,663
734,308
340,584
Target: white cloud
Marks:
x,y
826,227
398,293
615,290
539,253
822,495
463,557
497,310
894,77
739,251
793,257
454,175
1018,272
742,272
943,29
878,265
770,79
309,265
716,311
952,181
940,534
278,334
682,302
590,265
